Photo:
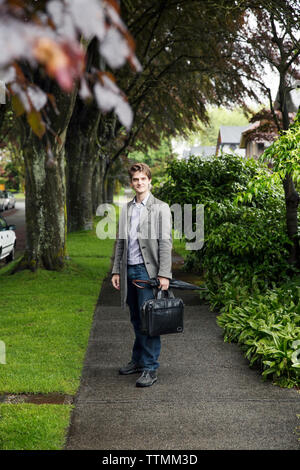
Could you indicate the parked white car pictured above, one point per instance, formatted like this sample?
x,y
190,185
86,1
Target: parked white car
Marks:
x,y
7,240
9,200
2,201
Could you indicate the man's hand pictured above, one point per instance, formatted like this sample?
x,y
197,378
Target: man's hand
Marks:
x,y
164,283
116,281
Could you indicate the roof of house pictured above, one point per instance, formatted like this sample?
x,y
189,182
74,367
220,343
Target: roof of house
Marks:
x,y
231,134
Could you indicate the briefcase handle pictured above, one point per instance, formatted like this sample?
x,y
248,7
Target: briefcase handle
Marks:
x,y
161,294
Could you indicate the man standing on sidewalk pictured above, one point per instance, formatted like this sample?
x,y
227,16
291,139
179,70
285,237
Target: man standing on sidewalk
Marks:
x,y
143,251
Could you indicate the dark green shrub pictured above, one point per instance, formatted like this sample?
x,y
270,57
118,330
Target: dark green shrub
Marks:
x,y
244,217
267,327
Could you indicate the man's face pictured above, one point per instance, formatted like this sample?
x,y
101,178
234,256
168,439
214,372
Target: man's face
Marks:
x,y
140,182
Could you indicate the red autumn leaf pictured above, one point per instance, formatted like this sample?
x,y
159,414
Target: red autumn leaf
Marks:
x,y
17,4
115,5
76,57
130,40
108,74
64,62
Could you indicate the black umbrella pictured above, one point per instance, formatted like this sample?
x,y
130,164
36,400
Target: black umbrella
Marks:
x,y
174,284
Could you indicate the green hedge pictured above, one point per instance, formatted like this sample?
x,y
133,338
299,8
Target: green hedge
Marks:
x,y
244,217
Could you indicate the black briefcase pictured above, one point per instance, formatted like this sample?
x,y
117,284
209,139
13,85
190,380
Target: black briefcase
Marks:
x,y
163,315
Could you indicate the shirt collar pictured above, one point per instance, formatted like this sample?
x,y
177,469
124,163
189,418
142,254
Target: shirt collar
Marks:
x,y
144,201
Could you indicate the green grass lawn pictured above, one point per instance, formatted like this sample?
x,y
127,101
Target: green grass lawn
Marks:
x,y
45,321
33,427
19,195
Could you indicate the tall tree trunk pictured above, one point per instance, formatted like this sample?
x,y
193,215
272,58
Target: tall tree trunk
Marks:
x,y
3,109
44,209
292,200
291,195
97,184
45,190
105,182
110,189
81,157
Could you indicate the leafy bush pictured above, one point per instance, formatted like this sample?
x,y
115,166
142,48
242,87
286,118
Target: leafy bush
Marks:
x,y
267,326
244,217
284,153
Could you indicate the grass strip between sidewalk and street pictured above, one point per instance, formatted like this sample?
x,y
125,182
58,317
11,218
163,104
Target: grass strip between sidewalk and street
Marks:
x,y
33,427
18,195
45,321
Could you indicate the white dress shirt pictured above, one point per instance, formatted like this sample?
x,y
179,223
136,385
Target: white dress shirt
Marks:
x,y
134,251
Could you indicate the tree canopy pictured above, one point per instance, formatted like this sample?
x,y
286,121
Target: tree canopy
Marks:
x,y
53,36
65,66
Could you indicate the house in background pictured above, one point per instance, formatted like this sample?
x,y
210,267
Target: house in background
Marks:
x,y
229,140
257,137
261,132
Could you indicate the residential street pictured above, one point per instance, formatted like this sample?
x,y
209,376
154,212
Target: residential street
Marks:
x,y
16,217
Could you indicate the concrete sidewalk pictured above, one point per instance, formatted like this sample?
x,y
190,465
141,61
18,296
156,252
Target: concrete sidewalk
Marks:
x,y
206,396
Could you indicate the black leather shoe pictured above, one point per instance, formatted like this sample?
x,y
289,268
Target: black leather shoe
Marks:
x,y
147,378
131,368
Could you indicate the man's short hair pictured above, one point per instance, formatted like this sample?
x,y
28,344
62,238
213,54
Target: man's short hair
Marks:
x,y
139,167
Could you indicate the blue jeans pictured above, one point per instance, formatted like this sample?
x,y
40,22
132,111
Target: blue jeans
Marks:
x,y
146,349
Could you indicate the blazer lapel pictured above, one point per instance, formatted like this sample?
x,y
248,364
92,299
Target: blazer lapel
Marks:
x,y
128,215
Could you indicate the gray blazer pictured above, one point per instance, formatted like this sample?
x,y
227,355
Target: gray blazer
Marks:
x,y
155,240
